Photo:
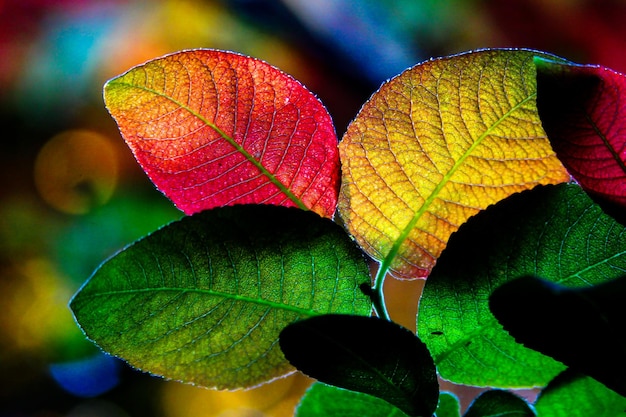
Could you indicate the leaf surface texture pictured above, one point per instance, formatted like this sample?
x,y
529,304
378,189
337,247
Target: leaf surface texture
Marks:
x,y
555,232
214,128
204,299
435,145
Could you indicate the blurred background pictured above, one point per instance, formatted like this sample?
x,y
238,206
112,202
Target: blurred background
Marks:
x,y
72,195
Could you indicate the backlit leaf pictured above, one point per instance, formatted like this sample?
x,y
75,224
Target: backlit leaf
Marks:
x,y
214,128
574,395
323,400
365,354
583,110
555,232
585,328
434,146
204,299
448,405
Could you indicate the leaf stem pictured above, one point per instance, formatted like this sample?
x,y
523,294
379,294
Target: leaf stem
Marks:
x,y
378,295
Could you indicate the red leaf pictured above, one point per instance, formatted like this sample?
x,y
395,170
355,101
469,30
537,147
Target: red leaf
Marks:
x,y
214,128
583,111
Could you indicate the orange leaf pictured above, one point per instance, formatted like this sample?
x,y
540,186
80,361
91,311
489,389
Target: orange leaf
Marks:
x,y
435,145
214,128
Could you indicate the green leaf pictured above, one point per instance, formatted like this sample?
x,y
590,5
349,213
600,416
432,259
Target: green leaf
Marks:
x,y
582,327
448,405
323,400
574,395
204,299
555,232
365,354
497,403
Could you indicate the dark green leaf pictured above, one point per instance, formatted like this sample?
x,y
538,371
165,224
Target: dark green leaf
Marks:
x,y
585,328
204,299
323,400
365,354
573,395
555,232
497,403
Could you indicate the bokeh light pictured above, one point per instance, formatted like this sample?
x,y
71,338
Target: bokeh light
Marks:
x,y
37,316
87,377
278,398
76,171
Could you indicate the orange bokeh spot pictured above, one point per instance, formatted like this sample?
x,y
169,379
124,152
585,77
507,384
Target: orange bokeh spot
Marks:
x,y
76,171
275,399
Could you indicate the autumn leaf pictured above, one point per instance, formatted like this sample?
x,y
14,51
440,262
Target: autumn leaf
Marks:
x,y
203,300
435,145
214,128
583,110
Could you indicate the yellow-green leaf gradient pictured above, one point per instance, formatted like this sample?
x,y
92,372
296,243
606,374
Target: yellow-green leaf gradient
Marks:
x,y
435,145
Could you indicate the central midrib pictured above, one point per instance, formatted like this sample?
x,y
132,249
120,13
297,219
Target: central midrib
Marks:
x,y
237,297
271,177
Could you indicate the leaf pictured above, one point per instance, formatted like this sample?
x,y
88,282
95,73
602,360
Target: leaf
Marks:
x,y
448,405
574,395
204,299
497,403
555,232
365,354
323,400
582,327
583,110
435,145
214,128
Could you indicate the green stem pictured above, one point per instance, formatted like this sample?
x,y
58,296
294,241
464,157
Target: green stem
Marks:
x,y
378,295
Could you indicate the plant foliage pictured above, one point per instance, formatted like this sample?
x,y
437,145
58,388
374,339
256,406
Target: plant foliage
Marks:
x,y
446,174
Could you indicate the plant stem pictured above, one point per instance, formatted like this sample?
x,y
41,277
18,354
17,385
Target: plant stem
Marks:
x,y
378,296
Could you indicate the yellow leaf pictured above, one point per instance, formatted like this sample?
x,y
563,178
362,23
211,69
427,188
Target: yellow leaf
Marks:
x,y
435,145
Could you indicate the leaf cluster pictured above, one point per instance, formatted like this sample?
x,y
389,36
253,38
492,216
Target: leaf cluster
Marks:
x,y
496,175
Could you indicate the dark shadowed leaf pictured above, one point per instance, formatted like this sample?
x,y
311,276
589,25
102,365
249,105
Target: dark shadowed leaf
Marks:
x,y
497,403
585,328
204,299
365,354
